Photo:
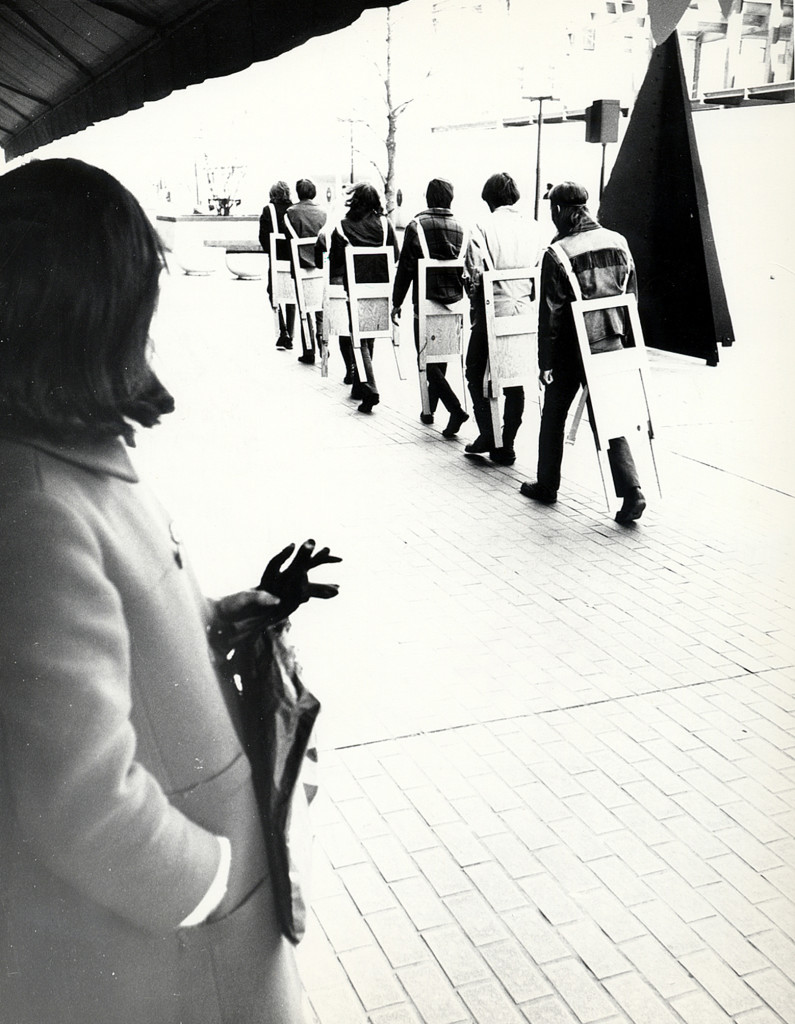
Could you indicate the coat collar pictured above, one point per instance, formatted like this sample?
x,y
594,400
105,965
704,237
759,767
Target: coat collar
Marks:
x,y
108,455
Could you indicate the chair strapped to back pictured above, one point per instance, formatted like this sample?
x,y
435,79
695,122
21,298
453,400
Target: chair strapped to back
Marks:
x,y
512,342
279,273
309,287
440,327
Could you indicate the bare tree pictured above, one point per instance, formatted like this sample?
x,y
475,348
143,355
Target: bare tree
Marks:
x,y
394,110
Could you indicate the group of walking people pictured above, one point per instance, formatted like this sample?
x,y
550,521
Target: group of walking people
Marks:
x,y
584,261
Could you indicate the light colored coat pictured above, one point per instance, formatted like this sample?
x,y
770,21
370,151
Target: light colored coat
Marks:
x,y
120,763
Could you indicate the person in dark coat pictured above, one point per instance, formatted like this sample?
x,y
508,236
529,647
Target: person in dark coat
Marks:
x,y
279,200
364,225
134,881
306,220
596,263
433,234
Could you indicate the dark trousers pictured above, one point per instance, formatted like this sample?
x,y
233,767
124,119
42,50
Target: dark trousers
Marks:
x,y
476,360
439,389
286,321
346,348
558,397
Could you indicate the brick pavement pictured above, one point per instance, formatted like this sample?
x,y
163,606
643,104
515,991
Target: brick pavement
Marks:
x,y
558,760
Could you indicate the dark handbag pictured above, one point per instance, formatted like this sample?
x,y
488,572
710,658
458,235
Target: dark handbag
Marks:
x,y
278,715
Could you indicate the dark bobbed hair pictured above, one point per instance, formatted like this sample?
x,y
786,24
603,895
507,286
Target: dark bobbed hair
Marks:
x,y
363,199
500,190
79,279
280,192
305,189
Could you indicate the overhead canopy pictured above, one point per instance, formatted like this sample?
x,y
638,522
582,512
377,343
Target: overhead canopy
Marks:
x,y
66,64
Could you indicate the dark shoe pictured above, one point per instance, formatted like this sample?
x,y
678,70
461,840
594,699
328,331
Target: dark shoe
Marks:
x,y
284,342
370,398
348,378
426,418
633,507
457,418
538,493
358,391
503,456
478,447
308,358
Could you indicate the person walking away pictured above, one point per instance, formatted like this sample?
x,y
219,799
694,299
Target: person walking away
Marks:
x,y
279,199
505,240
602,264
364,225
433,234
305,220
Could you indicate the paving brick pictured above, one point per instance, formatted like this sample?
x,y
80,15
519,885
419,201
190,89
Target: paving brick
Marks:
x,y
434,808
556,906
412,830
395,1015
528,827
342,922
476,813
694,869
512,854
699,1008
776,991
516,971
611,916
543,802
641,1004
317,961
763,1016
745,917
761,827
390,857
464,846
398,937
477,917
726,988
656,966
701,841
744,878
338,1005
384,793
497,886
654,800
551,1010
488,1004
421,903
442,871
363,818
580,839
571,873
730,945
779,950
621,880
539,939
577,987
367,888
677,937
432,994
602,956
783,878
341,845
372,977
456,955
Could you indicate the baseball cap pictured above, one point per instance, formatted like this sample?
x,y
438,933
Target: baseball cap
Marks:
x,y
568,193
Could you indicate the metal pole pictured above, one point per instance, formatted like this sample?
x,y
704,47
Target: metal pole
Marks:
x,y
540,100
351,123
602,174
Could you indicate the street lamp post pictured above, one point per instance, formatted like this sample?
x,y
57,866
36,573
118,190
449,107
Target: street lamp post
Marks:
x,y
540,101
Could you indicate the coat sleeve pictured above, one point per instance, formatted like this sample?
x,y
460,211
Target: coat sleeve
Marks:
x,y
82,805
407,265
555,297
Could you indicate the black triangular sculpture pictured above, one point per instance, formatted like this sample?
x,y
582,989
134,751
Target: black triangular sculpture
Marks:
x,y
656,197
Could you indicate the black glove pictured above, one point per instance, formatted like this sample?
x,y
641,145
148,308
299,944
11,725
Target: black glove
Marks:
x,y
291,584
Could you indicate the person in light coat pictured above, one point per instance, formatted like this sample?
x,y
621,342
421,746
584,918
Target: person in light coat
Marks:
x,y
134,882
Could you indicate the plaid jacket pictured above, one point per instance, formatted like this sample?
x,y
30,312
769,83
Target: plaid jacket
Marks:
x,y
445,237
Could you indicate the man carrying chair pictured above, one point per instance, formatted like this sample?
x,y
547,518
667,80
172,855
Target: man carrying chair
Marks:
x,y
433,234
585,261
306,220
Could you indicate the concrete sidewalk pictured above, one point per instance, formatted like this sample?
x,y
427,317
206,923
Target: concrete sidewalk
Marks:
x,y
558,755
